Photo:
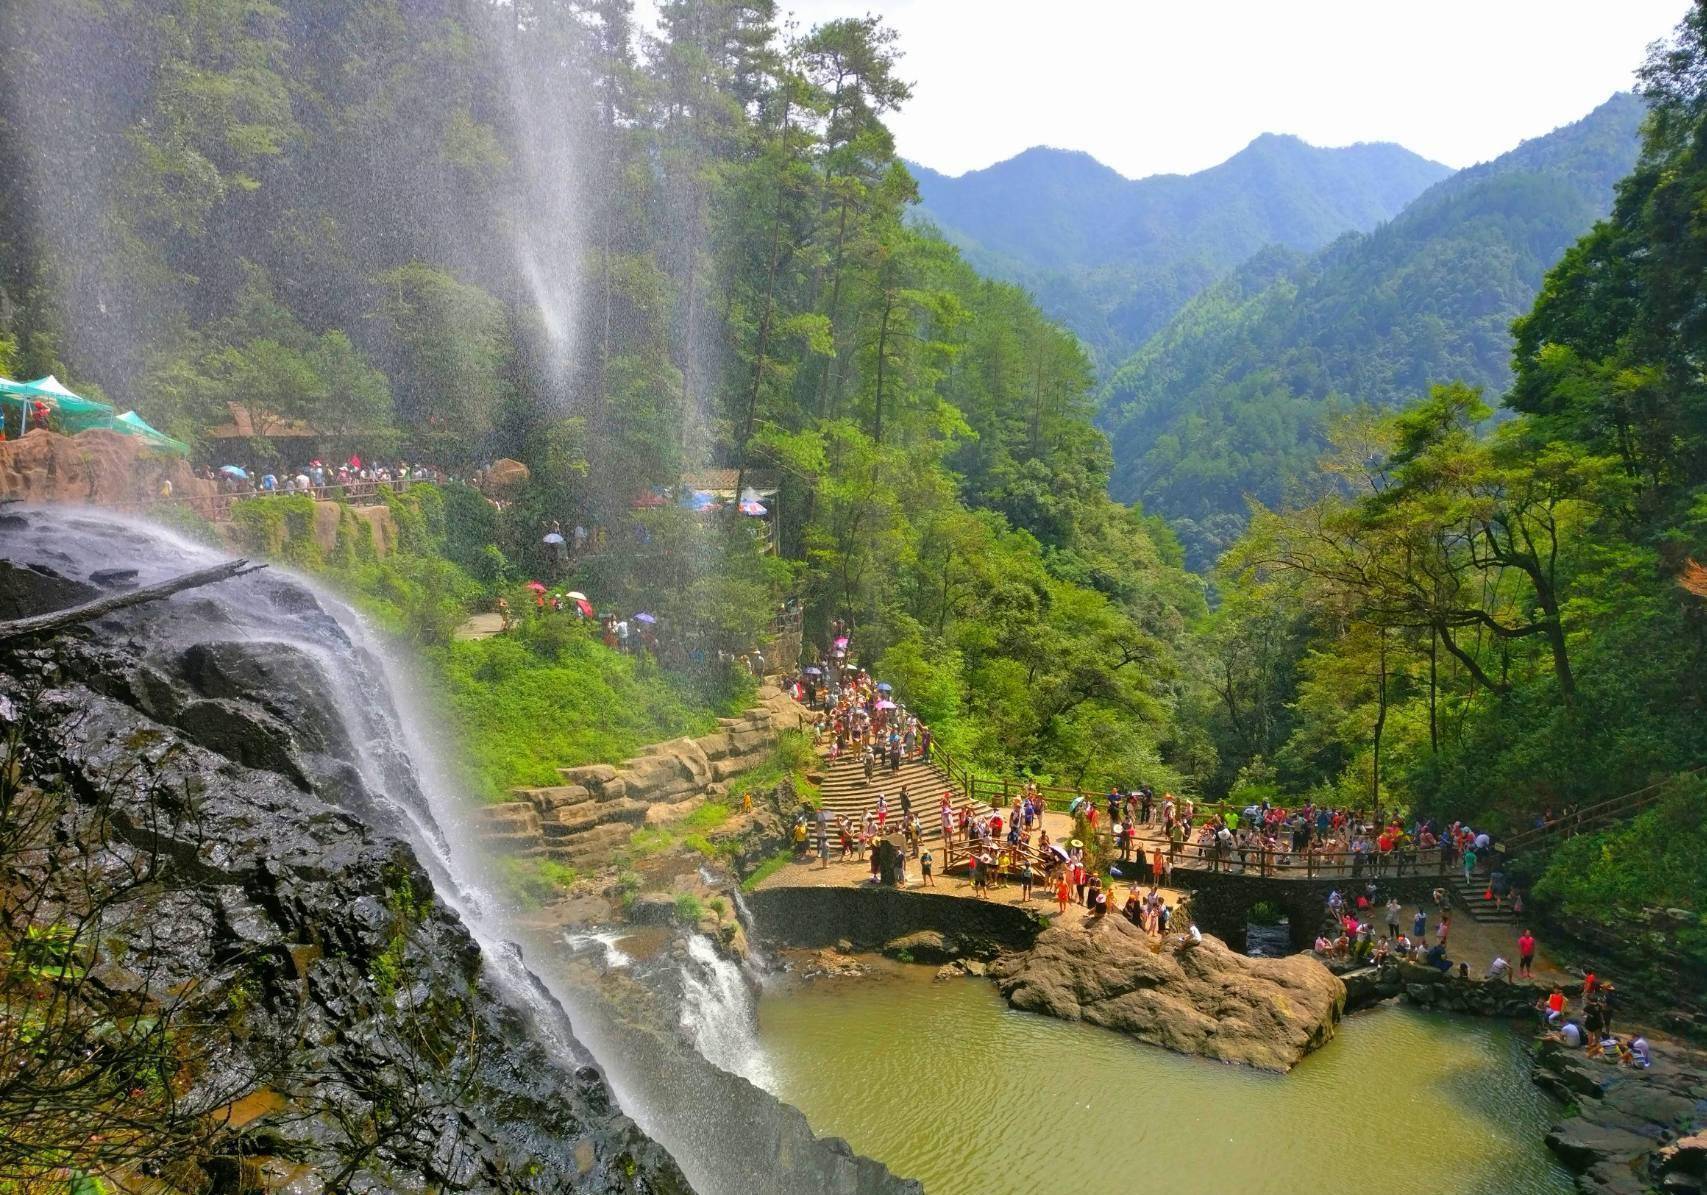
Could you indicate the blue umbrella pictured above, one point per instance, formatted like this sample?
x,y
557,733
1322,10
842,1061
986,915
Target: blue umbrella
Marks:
x,y
814,671
644,618
235,471
554,538
885,688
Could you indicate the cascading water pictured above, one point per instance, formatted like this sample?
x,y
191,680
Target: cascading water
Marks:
x,y
719,1014
394,780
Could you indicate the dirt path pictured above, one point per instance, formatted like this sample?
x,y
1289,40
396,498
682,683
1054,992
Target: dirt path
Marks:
x,y
480,626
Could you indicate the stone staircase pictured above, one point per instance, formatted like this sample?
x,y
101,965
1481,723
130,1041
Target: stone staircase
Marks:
x,y
846,793
1471,894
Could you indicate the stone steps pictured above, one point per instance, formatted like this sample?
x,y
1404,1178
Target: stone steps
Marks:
x,y
1471,896
844,792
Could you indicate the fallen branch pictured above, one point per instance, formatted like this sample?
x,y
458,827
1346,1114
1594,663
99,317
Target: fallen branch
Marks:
x,y
58,620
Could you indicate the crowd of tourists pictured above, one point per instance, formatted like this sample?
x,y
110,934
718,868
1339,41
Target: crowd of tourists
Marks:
x,y
1592,1029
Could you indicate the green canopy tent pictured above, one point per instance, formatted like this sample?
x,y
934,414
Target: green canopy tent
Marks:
x,y
132,424
71,413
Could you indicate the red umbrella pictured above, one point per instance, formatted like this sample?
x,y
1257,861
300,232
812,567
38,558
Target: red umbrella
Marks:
x,y
585,607
536,587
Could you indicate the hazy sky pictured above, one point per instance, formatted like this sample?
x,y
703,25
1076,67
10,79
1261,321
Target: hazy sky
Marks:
x,y
1154,86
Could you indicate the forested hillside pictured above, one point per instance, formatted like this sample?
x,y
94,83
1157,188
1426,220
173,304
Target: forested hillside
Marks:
x,y
460,231
1501,621
1232,398
1113,258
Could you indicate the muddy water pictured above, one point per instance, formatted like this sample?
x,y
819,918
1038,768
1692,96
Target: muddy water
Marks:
x,y
944,1083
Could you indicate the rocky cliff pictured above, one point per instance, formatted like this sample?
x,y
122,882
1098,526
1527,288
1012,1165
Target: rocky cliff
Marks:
x,y
598,806
329,1012
98,467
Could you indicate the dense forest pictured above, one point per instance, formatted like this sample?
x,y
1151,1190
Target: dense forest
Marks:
x,y
1491,618
464,230
468,230
1232,399
1114,258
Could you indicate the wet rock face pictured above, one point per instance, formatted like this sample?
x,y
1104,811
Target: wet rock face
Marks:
x,y
332,983
1631,1130
1206,1000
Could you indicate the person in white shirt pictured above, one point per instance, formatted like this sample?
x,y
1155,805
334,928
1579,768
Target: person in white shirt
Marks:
x,y
1499,968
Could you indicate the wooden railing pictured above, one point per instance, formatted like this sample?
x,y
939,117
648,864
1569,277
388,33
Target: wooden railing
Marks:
x,y
1597,815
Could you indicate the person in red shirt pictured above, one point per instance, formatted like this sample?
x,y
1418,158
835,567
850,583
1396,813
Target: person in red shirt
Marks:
x,y
1525,954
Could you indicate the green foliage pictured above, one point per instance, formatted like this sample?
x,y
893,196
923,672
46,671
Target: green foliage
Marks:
x,y
526,709
767,869
688,908
1654,861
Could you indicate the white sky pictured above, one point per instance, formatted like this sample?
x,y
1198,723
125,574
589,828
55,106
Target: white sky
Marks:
x,y
1152,86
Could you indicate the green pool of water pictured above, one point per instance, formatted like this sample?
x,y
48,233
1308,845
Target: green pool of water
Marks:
x,y
944,1083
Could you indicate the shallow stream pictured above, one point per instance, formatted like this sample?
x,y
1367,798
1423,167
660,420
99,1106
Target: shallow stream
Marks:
x,y
945,1083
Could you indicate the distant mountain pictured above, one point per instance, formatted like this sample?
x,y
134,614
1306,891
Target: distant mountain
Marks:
x,y
1114,258
1230,397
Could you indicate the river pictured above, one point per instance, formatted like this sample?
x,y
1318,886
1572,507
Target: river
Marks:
x,y
945,1083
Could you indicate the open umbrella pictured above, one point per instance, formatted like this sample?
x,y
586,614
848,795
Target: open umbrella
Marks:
x,y
552,538
583,605
237,471
885,705
842,642
1058,851
576,594
536,587
1077,843
644,618
885,687
753,509
814,670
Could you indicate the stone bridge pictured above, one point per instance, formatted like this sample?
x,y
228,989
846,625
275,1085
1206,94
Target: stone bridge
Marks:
x,y
1221,901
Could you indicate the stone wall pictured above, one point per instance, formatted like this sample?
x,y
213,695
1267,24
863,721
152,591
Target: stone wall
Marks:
x,y
598,806
1422,985
869,918
1221,902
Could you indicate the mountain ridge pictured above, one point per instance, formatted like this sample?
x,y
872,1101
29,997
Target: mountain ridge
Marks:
x,y
1229,398
1114,257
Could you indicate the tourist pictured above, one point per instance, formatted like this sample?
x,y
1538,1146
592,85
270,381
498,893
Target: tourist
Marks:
x,y
1555,1006
925,869
1499,969
1444,928
1419,925
1525,954
1498,886
1158,866
1571,1034
1640,1052
1063,892
1025,878
1394,911
882,811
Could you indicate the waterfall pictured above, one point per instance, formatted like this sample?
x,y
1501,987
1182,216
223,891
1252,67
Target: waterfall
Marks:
x,y
403,787
719,1014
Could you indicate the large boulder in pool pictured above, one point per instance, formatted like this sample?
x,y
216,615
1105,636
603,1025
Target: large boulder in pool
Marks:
x,y
1206,999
